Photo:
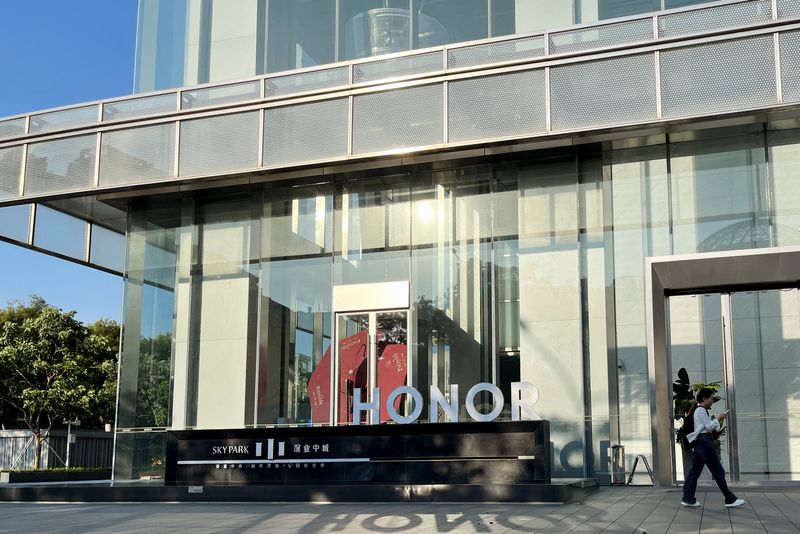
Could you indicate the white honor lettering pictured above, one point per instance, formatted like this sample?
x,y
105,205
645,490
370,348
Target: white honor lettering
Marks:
x,y
523,396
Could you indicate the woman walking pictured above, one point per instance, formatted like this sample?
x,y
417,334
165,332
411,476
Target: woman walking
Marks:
x,y
705,454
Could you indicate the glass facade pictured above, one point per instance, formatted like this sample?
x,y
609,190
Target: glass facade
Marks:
x,y
189,42
529,268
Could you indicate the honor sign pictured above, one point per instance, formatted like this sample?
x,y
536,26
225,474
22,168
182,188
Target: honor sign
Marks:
x,y
523,396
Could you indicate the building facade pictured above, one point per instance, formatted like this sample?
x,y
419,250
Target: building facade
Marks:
x,y
587,196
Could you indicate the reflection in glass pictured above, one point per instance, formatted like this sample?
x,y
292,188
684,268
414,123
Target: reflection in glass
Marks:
x,y
391,335
766,357
354,366
373,231
719,195
58,232
147,332
15,222
218,311
294,356
451,269
300,33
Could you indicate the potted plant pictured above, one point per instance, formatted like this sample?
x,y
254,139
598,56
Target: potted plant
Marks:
x,y
683,396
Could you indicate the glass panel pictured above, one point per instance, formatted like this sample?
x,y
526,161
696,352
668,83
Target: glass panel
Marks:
x,y
353,353
695,345
68,118
541,218
391,334
216,96
148,344
784,165
719,194
294,369
59,232
373,27
766,350
454,20
107,248
316,80
163,45
300,33
223,318
139,107
374,231
451,271
15,221
641,215
139,455
232,40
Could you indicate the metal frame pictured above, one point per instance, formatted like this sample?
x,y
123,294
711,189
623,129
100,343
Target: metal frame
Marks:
x,y
372,355
713,271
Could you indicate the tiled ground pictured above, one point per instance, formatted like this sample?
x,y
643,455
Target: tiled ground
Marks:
x,y
612,509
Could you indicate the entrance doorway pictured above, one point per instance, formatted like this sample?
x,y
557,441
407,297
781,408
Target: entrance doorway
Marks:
x,y
371,352
749,343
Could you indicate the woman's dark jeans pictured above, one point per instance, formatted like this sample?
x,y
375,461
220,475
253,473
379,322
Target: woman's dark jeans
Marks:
x,y
706,454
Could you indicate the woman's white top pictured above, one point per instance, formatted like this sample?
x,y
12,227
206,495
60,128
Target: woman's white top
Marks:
x,y
702,423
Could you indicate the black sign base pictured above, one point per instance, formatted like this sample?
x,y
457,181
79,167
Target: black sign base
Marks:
x,y
508,453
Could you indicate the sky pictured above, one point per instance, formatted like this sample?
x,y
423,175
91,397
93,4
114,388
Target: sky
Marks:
x,y
55,53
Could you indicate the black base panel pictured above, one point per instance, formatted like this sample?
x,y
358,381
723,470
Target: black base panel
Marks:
x,y
563,493
400,455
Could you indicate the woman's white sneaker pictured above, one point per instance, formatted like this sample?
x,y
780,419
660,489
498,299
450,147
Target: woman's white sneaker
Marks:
x,y
692,504
737,502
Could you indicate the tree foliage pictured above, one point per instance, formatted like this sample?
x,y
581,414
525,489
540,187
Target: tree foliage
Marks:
x,y
54,367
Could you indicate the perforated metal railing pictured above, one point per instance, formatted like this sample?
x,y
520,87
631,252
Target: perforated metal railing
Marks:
x,y
714,58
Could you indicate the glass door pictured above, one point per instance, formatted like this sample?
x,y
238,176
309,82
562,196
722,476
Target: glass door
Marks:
x,y
749,342
764,387
697,356
371,351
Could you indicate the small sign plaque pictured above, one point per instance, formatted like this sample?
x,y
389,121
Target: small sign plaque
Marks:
x,y
195,489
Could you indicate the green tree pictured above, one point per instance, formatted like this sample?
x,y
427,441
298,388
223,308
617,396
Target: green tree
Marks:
x,y
53,367
152,399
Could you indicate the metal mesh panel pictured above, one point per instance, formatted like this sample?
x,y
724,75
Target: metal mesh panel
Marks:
x,y
788,8
306,81
15,222
603,93
10,170
514,49
396,119
61,120
215,96
219,144
12,128
715,77
714,18
620,33
139,107
790,58
58,232
496,106
305,132
60,165
398,66
137,155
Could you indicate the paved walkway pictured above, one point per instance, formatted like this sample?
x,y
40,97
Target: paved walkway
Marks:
x,y
625,509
